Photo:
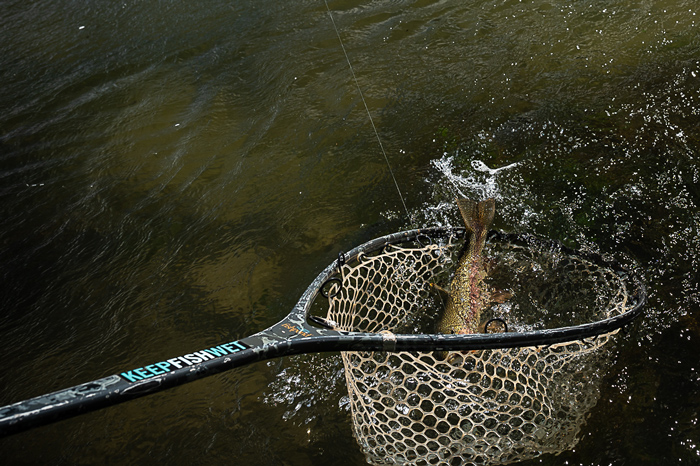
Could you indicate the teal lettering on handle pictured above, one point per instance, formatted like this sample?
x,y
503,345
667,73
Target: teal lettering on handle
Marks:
x,y
172,364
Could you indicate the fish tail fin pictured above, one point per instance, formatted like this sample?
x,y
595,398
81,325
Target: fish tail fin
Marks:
x,y
478,216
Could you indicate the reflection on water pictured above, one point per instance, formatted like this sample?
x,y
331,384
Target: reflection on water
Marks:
x,y
175,175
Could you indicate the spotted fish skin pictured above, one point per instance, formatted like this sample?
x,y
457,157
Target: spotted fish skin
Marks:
x,y
468,295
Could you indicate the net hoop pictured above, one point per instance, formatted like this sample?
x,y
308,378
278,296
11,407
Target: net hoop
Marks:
x,y
514,396
294,334
544,337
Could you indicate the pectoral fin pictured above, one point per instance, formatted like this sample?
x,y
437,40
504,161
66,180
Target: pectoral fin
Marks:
x,y
501,296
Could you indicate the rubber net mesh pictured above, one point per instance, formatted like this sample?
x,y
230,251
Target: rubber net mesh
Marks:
x,y
479,407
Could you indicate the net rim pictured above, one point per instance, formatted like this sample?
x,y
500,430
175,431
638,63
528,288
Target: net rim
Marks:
x,y
418,342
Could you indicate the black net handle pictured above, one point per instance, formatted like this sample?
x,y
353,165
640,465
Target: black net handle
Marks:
x,y
294,335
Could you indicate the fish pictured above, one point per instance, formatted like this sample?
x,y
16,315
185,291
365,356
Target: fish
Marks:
x,y
468,295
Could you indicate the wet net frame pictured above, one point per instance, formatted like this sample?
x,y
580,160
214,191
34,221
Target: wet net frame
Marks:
x,y
444,342
295,335
492,406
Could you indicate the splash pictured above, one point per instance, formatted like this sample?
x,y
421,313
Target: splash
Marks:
x,y
482,167
476,181
480,183
306,387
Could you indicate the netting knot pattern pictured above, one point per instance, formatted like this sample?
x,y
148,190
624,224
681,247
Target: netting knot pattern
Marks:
x,y
480,407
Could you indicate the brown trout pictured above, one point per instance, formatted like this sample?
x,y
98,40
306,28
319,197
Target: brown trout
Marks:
x,y
468,294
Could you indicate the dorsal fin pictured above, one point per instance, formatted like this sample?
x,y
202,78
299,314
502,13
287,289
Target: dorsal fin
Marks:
x,y
478,216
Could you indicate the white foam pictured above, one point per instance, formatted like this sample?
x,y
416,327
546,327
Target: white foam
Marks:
x,y
482,167
482,182
474,179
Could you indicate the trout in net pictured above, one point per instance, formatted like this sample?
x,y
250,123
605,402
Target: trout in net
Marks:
x,y
468,294
481,407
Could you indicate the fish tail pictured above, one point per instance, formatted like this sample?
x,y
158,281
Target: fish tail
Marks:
x,y
478,216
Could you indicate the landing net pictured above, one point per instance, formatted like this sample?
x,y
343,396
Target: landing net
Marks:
x,y
481,407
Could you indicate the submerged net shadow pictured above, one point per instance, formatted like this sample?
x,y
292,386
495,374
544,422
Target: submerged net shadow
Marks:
x,y
480,407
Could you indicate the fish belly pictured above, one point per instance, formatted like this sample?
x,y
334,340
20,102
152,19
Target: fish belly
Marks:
x,y
464,305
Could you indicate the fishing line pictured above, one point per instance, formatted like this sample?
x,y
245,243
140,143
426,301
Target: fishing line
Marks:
x,y
400,265
381,146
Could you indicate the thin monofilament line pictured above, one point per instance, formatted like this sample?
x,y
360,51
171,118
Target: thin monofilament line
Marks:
x,y
376,133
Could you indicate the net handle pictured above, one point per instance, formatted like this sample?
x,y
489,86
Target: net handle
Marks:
x,y
294,335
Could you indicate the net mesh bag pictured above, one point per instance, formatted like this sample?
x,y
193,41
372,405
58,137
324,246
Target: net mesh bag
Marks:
x,y
476,407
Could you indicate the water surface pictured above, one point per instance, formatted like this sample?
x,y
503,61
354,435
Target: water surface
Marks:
x,y
174,174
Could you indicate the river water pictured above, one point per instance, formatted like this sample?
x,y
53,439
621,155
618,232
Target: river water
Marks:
x,y
174,174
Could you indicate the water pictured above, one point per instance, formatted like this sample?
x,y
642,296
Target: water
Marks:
x,y
174,175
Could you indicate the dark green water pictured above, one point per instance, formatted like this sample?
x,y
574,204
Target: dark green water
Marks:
x,y
174,174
